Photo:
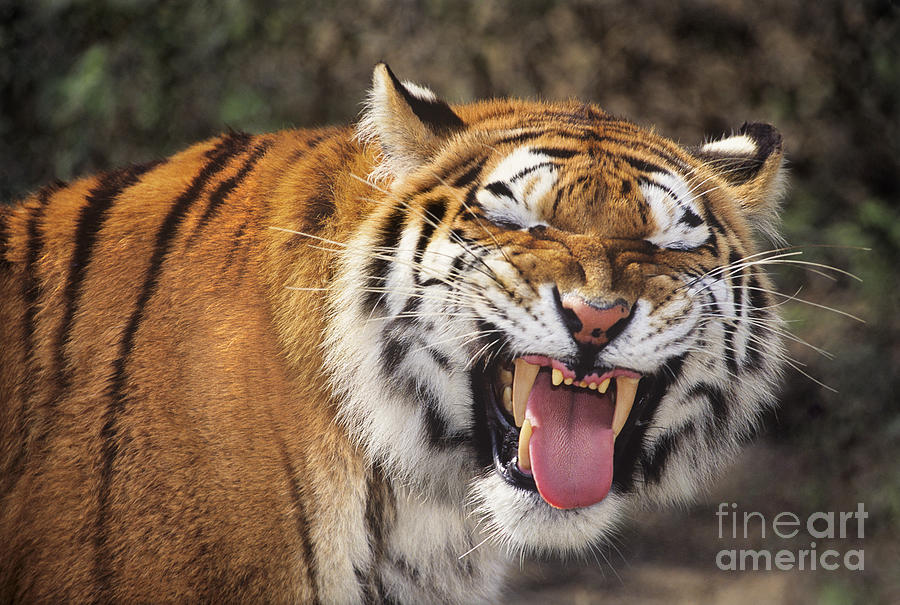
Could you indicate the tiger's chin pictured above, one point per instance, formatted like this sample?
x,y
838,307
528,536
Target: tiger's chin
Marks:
x,y
561,445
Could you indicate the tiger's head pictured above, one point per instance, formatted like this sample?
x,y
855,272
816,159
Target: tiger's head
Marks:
x,y
551,314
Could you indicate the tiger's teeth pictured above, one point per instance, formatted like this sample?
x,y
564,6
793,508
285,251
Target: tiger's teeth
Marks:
x,y
626,388
557,377
524,441
569,381
507,399
506,377
601,388
523,379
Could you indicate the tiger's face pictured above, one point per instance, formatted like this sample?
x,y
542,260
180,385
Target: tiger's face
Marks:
x,y
553,315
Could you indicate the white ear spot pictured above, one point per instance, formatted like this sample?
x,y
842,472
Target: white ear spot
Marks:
x,y
736,145
419,91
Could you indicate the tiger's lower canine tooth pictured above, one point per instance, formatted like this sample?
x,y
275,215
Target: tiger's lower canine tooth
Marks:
x,y
507,399
524,441
626,388
523,379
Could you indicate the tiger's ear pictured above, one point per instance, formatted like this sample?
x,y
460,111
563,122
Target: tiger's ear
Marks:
x,y
751,162
407,122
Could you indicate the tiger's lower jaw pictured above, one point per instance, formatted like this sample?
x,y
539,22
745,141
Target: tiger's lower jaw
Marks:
x,y
565,441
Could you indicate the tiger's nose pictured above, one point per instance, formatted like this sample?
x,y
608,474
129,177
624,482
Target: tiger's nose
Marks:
x,y
593,324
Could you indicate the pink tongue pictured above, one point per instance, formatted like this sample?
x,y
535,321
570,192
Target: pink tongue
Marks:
x,y
571,443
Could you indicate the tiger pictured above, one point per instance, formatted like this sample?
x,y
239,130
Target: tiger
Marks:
x,y
378,362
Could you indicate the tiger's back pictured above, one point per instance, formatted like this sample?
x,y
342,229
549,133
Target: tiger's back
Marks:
x,y
249,373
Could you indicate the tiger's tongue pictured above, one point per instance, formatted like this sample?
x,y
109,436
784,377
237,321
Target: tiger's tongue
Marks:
x,y
571,443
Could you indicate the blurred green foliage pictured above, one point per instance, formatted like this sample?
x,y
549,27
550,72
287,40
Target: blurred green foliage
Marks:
x,y
89,84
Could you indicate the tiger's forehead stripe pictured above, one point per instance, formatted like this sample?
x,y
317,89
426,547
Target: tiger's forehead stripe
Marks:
x,y
512,192
623,136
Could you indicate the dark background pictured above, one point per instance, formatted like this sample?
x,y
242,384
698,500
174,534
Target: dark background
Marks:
x,y
89,85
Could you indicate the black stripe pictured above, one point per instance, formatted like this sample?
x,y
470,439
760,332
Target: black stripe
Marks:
x,y
432,215
738,288
654,465
411,306
470,175
31,293
31,286
711,217
500,189
233,144
730,361
379,517
369,590
740,308
730,325
718,403
711,244
310,144
644,166
431,282
645,181
393,352
456,267
758,301
727,328
236,244
379,267
690,218
409,571
436,428
217,197
318,208
90,221
521,137
299,506
556,152
442,361
529,170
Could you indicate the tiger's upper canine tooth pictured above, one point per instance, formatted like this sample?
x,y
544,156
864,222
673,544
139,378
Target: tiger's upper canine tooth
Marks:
x,y
523,379
626,388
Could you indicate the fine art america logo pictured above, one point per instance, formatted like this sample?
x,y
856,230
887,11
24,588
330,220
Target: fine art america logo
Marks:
x,y
831,526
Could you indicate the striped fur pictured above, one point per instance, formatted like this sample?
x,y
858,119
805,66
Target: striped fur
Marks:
x,y
248,373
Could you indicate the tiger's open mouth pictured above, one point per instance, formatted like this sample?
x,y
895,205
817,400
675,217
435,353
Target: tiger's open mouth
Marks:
x,y
558,433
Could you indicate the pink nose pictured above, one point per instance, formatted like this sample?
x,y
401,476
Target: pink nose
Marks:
x,y
595,323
